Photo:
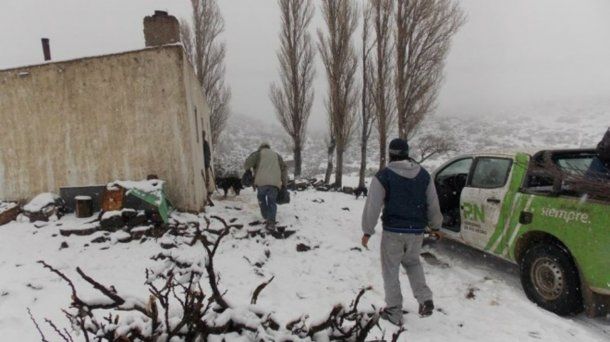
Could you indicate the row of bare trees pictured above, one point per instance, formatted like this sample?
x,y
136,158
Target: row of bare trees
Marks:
x,y
404,46
207,53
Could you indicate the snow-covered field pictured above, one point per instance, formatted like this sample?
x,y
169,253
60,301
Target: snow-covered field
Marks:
x,y
305,282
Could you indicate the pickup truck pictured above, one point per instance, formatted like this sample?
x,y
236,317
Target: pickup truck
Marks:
x,y
529,209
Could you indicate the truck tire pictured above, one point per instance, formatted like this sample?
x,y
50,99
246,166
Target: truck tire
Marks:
x,y
550,279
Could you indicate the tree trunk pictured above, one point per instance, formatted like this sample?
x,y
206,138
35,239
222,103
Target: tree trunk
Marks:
x,y
329,165
339,168
362,162
383,142
298,160
329,170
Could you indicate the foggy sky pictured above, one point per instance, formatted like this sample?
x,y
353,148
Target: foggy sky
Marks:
x,y
509,53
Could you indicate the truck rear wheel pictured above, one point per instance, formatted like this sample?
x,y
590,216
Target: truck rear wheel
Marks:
x,y
550,279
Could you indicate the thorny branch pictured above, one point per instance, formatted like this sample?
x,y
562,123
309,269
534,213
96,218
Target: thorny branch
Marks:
x,y
199,316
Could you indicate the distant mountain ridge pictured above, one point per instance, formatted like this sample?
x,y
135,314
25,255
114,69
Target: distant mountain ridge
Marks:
x,y
570,126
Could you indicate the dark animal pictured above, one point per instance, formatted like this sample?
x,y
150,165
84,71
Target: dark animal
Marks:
x,y
230,182
348,190
361,191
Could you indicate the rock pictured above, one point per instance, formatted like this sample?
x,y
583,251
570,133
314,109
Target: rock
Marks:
x,y
301,247
112,221
100,239
43,207
168,245
139,232
63,245
84,230
128,213
40,224
139,219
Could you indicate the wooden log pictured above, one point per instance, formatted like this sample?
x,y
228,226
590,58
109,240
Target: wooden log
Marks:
x,y
9,215
84,206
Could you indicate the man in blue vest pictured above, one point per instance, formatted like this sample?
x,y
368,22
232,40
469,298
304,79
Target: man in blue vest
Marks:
x,y
407,195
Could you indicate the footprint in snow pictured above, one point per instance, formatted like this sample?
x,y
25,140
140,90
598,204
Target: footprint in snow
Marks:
x,y
535,334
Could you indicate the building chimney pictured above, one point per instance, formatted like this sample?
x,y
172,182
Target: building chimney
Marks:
x,y
46,49
161,29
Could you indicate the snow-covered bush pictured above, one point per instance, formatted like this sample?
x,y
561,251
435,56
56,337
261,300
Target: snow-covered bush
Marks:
x,y
182,306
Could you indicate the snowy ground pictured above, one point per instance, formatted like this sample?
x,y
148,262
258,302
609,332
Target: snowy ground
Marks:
x,y
306,282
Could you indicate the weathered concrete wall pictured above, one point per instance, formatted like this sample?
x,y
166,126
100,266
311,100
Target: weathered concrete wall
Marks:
x,y
94,120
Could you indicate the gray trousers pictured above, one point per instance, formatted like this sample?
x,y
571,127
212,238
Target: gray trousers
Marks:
x,y
402,249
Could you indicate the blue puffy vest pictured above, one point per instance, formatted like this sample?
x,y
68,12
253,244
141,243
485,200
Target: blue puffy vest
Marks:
x,y
405,206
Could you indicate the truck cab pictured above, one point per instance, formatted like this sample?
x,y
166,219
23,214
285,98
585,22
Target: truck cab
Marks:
x,y
540,211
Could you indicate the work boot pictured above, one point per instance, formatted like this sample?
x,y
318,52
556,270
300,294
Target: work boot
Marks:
x,y
270,226
426,309
392,315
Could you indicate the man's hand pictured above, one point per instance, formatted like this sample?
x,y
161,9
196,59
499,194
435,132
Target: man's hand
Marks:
x,y
436,235
365,241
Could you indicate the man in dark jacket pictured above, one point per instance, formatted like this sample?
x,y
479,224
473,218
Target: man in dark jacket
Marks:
x,y
209,173
408,197
600,166
270,175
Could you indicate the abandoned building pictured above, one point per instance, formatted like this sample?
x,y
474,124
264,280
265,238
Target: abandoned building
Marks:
x,y
93,120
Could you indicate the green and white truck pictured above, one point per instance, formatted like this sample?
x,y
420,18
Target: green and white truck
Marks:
x,y
521,207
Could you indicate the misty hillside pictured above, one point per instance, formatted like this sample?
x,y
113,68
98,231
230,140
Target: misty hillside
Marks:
x,y
571,126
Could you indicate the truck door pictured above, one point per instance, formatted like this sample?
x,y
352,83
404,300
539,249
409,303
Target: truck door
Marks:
x,y
481,200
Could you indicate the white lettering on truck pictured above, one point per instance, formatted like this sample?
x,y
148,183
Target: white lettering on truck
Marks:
x,y
566,215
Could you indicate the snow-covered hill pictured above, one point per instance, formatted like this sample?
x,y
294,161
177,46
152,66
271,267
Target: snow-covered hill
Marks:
x,y
478,298
545,126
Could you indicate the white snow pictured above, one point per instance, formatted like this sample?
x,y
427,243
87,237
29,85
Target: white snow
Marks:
x,y
144,185
4,206
40,201
305,283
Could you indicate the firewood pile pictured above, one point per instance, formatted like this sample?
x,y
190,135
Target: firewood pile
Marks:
x,y
577,182
186,302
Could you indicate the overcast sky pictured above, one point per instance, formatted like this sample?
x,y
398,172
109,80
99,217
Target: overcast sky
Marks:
x,y
510,52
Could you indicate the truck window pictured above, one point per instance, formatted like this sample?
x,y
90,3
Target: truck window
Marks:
x,y
461,166
575,165
490,172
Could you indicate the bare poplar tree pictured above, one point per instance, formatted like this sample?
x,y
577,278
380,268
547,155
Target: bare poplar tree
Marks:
x,y
293,97
423,33
207,54
341,63
383,102
367,115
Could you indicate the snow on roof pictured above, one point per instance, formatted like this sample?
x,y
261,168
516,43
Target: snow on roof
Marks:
x,y
4,206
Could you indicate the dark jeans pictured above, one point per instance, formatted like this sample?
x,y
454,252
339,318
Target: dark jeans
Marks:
x,y
267,200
